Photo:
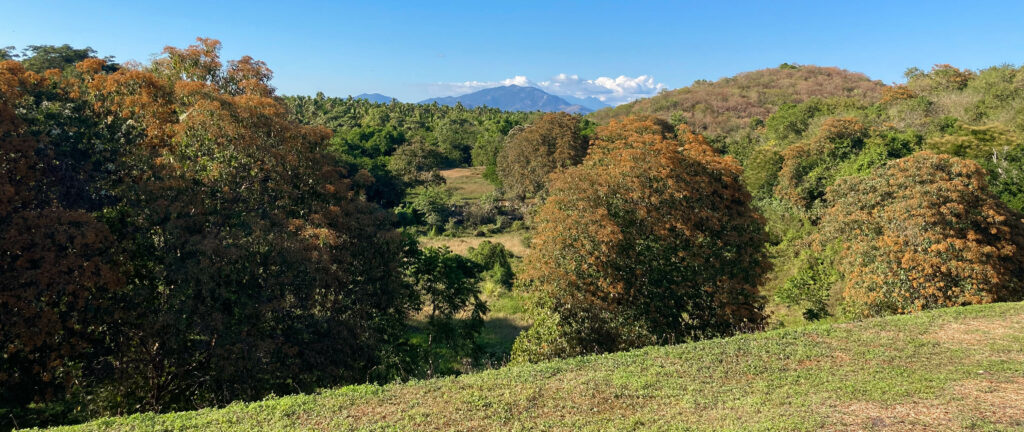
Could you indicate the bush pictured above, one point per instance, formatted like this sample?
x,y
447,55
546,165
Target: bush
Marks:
x,y
496,262
433,204
811,287
450,297
923,232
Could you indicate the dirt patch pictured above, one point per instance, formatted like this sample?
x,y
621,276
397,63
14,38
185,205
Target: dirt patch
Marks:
x,y
977,332
995,402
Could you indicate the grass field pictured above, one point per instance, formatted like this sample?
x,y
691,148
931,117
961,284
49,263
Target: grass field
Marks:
x,y
467,184
952,369
513,241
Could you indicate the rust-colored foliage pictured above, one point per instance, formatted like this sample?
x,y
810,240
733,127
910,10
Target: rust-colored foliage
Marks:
x,y
924,232
531,153
897,92
56,263
238,257
649,240
724,108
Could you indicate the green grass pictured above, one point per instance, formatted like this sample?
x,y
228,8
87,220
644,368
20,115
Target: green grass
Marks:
x,y
959,369
507,318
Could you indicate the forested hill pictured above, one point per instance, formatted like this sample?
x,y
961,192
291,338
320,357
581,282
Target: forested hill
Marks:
x,y
727,105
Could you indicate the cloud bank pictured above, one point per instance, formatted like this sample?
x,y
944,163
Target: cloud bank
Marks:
x,y
612,91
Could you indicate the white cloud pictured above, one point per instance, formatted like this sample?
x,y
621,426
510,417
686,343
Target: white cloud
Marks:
x,y
613,91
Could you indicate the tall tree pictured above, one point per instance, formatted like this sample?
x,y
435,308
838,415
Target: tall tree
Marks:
x,y
531,153
651,240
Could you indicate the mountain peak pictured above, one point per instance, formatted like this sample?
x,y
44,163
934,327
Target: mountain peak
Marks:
x,y
513,98
375,97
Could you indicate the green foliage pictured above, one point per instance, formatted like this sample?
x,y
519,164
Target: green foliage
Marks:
x,y
416,164
812,285
761,172
448,288
790,121
366,134
1006,175
496,262
433,204
40,58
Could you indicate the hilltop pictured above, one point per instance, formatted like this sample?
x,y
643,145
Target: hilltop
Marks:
x,y
723,106
956,368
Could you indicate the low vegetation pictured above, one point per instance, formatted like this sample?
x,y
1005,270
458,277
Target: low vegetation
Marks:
x,y
951,369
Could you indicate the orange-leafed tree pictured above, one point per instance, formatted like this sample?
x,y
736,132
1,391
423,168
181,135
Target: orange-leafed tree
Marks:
x,y
171,239
650,240
57,260
923,232
532,152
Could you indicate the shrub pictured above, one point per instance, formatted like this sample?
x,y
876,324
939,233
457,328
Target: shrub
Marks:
x,y
450,297
923,232
496,262
433,204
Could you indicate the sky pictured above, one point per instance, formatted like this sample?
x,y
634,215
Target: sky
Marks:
x,y
615,51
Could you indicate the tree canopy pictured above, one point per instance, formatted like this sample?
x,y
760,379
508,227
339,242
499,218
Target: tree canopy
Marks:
x,y
650,240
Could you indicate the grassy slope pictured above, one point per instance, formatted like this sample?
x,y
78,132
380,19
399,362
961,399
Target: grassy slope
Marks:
x,y
960,368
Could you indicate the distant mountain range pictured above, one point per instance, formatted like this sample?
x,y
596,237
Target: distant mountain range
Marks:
x,y
374,97
518,98
510,98
591,102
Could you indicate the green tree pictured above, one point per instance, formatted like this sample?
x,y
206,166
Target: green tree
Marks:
x,y
40,58
448,286
495,261
417,163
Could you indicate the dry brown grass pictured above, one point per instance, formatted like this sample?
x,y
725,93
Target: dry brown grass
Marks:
x,y
976,332
467,183
998,402
460,245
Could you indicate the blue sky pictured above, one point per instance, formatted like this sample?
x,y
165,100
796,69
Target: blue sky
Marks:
x,y
417,49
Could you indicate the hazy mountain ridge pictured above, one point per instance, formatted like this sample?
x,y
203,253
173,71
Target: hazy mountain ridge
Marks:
x,y
374,97
512,98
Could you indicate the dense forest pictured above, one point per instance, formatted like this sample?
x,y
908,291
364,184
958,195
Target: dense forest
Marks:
x,y
175,235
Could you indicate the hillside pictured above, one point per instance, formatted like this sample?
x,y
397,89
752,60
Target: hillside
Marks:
x,y
512,98
724,106
957,368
